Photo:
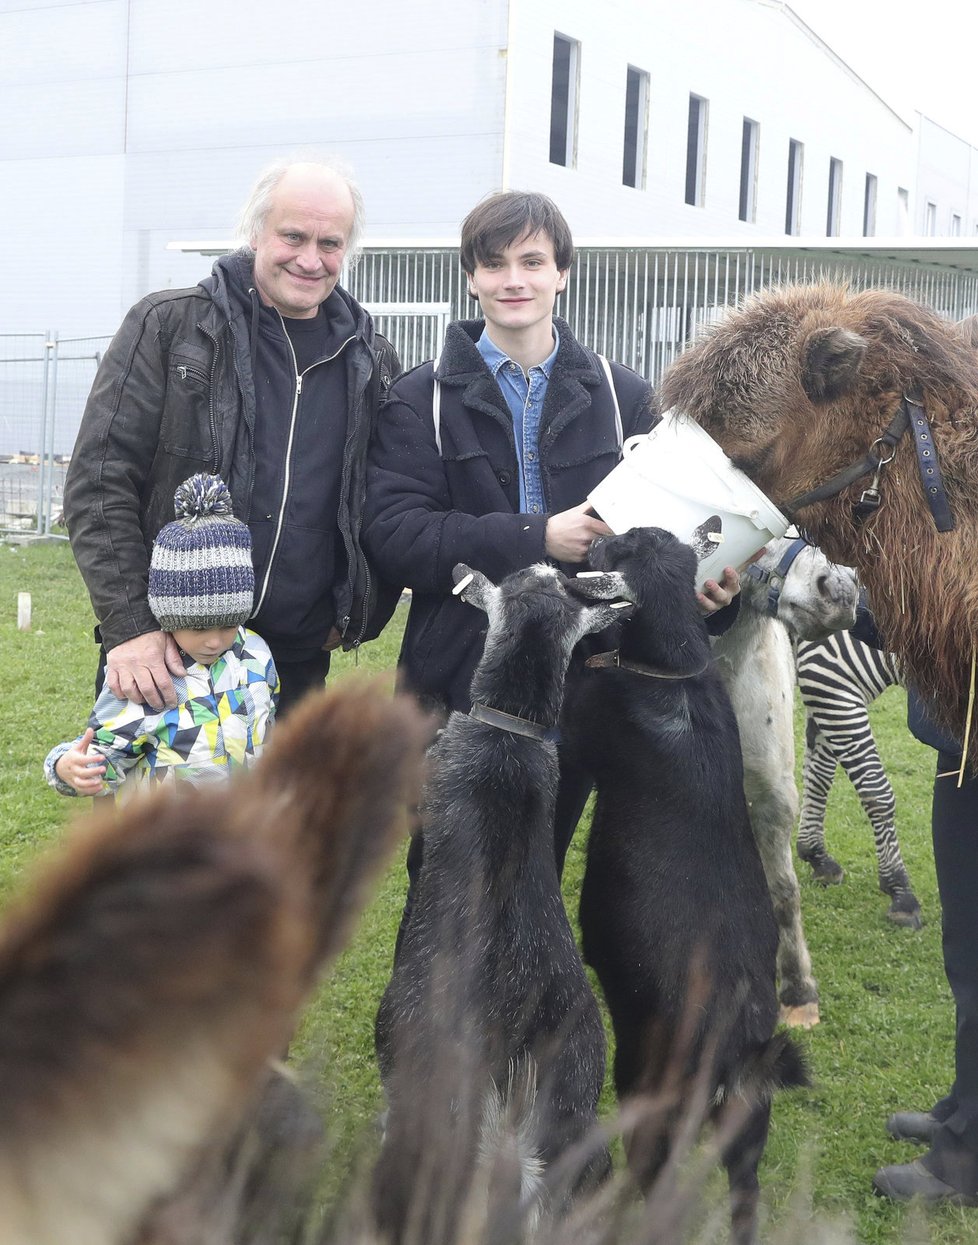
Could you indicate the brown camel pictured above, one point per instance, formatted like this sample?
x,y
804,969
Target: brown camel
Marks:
x,y
797,385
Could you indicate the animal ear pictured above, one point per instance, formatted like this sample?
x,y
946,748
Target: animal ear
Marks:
x,y
473,587
599,586
831,359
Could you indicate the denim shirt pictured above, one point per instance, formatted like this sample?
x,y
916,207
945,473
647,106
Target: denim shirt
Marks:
x,y
525,400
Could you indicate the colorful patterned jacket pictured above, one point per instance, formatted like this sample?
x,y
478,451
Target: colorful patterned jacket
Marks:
x,y
218,726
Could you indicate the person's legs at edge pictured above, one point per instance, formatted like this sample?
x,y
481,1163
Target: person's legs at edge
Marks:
x,y
953,1154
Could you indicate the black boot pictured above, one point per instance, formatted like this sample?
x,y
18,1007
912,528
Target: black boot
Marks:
x,y
903,1182
915,1126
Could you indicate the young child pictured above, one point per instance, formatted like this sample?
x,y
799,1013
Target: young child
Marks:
x,y
201,590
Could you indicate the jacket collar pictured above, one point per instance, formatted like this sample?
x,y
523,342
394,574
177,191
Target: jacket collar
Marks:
x,y
575,372
460,359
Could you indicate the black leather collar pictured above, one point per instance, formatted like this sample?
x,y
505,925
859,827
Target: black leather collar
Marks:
x,y
516,726
614,661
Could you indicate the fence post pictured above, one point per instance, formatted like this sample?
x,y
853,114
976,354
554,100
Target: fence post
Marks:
x,y
42,467
46,492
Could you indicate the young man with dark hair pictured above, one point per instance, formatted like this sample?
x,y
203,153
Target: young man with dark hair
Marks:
x,y
487,455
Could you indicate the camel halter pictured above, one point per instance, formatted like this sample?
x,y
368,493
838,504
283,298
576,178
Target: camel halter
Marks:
x,y
876,459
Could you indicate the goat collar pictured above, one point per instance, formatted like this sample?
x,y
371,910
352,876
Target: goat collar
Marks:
x,y
516,726
614,660
880,453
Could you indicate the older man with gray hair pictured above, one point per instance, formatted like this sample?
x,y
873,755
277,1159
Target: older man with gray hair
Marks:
x,y
268,374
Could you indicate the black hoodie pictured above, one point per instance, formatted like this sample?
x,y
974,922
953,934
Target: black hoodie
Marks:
x,y
299,435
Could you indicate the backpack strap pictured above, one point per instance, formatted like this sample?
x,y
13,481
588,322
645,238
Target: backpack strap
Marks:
x,y
436,403
619,430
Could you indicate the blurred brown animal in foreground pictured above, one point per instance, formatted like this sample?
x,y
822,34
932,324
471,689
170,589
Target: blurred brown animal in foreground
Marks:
x,y
159,962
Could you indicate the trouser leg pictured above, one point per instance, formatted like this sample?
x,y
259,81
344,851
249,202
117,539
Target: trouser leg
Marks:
x,y
954,1149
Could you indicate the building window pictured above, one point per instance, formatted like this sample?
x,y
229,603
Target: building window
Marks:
x,y
955,226
792,215
869,207
903,209
834,214
563,101
930,220
748,169
696,151
636,128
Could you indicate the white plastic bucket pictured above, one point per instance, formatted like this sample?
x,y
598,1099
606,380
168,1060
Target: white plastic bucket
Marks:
x,y
678,478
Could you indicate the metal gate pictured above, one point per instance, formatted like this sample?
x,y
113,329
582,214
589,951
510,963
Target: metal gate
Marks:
x,y
416,330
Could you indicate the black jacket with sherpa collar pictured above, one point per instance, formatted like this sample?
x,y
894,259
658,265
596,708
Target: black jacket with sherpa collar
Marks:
x,y
427,510
174,395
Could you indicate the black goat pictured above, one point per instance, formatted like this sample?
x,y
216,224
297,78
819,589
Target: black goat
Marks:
x,y
676,917
488,1030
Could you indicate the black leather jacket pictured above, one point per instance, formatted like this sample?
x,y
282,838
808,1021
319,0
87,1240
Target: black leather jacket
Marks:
x,y
175,394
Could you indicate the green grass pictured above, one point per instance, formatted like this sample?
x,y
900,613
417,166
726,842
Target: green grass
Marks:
x,y
885,1038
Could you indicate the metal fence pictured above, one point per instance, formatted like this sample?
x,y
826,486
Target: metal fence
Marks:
x,y
44,381
639,305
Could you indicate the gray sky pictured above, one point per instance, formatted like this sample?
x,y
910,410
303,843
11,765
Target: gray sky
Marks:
x,y
916,54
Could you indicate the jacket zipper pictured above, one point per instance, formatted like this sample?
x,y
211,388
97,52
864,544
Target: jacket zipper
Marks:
x,y
215,454
352,548
183,372
288,457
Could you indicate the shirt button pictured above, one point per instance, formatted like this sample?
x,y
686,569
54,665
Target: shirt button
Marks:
x,y
530,457
535,509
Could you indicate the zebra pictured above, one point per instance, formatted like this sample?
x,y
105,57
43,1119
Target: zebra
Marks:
x,y
838,679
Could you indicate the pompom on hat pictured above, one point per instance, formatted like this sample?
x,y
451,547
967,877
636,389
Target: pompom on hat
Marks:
x,y
200,571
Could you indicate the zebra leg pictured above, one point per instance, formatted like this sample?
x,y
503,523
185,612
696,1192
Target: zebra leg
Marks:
x,y
866,773
817,775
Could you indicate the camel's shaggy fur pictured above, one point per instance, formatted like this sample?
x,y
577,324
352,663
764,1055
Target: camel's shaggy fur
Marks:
x,y
796,385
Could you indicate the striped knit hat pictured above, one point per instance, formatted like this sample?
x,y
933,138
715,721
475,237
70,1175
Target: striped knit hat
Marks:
x,y
200,573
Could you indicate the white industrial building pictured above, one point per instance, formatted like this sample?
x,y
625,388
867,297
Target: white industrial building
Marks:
x,y
129,124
